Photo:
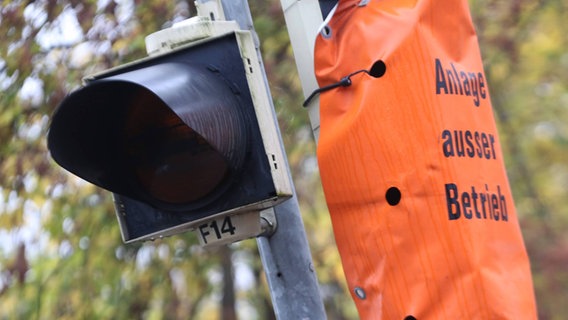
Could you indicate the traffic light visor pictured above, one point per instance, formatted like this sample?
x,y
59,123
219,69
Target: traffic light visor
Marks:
x,y
172,135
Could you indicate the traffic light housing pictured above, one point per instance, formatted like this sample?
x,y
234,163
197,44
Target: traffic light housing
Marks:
x,y
178,138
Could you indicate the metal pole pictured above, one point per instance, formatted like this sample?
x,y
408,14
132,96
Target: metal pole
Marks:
x,y
303,19
285,254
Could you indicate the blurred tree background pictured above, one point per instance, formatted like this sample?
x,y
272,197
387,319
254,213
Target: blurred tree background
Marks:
x,y
61,255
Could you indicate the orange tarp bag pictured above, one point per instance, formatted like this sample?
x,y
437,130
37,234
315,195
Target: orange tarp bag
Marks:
x,y
412,167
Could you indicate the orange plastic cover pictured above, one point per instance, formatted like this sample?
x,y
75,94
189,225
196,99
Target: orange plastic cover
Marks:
x,y
412,167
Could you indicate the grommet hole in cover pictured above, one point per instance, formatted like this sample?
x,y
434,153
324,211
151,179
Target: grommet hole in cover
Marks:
x,y
378,69
393,196
326,32
360,293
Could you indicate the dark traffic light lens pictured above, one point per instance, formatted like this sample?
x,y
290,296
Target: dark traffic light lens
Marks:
x,y
171,161
171,135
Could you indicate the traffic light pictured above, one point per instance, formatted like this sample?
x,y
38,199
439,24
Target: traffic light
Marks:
x,y
178,138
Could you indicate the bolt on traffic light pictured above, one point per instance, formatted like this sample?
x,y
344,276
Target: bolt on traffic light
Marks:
x,y
177,138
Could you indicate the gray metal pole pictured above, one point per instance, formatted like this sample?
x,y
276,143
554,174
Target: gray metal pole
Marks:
x,y
285,254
